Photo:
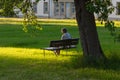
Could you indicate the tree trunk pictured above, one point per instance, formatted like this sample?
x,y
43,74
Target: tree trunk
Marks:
x,y
87,30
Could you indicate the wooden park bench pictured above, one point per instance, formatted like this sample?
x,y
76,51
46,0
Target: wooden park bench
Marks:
x,y
62,44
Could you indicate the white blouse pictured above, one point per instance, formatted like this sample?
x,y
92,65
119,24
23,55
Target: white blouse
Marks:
x,y
66,36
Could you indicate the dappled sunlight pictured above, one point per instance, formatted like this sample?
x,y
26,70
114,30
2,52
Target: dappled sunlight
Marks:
x,y
102,24
58,20
31,64
38,54
117,23
51,23
11,20
70,22
18,52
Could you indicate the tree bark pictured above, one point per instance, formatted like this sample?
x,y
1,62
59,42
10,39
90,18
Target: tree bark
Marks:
x,y
87,30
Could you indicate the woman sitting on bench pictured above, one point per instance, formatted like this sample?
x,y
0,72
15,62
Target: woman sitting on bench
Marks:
x,y
65,35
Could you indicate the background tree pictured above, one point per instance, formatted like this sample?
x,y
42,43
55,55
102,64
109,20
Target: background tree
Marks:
x,y
30,23
7,7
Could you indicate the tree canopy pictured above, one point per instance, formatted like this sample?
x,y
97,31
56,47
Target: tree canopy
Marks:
x,y
8,7
103,8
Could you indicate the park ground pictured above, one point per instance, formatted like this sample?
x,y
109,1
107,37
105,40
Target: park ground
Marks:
x,y
21,56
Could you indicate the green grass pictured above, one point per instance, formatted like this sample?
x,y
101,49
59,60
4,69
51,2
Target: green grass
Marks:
x,y
22,59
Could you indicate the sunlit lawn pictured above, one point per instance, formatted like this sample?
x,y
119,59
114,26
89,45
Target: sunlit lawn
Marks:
x,y
21,56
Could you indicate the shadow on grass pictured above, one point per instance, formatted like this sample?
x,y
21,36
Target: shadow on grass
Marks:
x,y
111,63
51,68
28,69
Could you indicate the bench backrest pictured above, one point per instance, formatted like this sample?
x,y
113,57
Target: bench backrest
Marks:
x,y
64,43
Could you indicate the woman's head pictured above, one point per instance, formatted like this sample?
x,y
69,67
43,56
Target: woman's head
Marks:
x,y
64,30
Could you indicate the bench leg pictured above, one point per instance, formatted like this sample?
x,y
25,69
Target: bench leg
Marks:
x,y
57,52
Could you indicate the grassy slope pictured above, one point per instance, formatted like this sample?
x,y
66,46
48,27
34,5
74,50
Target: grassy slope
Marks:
x,y
22,59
